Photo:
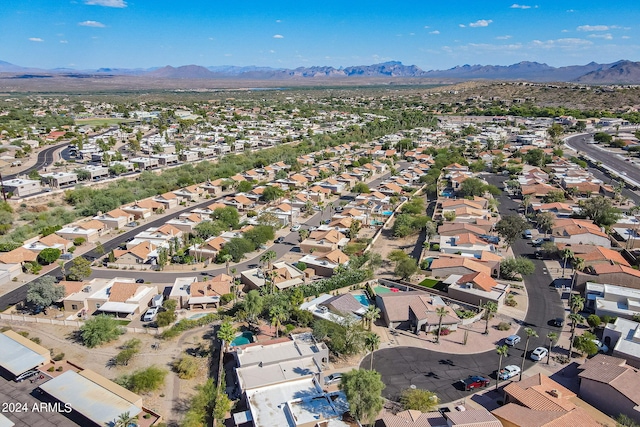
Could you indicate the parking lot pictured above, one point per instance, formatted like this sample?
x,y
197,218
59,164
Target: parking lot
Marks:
x,y
23,405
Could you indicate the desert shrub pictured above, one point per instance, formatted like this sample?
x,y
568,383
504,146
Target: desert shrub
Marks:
x,y
186,367
504,326
51,369
58,357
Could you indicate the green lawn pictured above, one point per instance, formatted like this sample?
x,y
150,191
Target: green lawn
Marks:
x,y
123,322
105,122
429,283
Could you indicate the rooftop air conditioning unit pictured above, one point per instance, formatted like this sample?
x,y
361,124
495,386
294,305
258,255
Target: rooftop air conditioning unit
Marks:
x,y
86,289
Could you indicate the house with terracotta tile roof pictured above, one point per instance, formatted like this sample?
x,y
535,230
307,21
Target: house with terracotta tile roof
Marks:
x,y
325,263
456,228
465,244
169,200
538,401
415,311
444,266
476,288
610,385
142,253
240,202
578,231
19,255
90,231
208,293
323,241
559,209
56,241
187,221
282,276
614,274
537,190
116,218
190,193
593,255
209,249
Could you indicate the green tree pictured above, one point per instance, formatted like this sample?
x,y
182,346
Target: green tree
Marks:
x,y
520,265
545,221
594,321
576,319
371,315
226,259
226,333
397,255
253,305
510,228
530,333
228,216
600,210
602,137
554,196
555,131
419,400
80,269
363,389
406,268
100,329
126,420
49,255
278,314
267,257
576,303
585,344
143,380
440,312
361,188
272,193
502,351
552,337
44,291
303,233
566,254
244,187
472,187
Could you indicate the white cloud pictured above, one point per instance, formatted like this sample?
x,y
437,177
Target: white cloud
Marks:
x,y
625,37
278,36
434,32
564,31
520,6
107,3
426,26
566,43
272,51
594,28
94,24
278,21
570,10
461,25
606,36
228,54
507,37
64,41
35,39
481,23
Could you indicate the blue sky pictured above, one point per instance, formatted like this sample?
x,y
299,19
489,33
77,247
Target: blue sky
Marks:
x,y
88,34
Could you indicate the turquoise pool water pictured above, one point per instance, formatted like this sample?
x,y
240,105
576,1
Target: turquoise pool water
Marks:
x,y
387,213
362,299
197,316
245,338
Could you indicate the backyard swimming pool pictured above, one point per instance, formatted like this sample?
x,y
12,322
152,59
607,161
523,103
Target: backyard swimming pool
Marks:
x,y
245,338
362,299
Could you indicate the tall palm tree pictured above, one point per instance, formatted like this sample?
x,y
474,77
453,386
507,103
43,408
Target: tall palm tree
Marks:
x,y
576,303
372,341
576,319
552,337
502,351
566,254
371,315
267,257
490,307
530,333
253,305
278,315
441,312
227,259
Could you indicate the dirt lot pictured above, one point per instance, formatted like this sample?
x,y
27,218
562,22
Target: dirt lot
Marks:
x,y
170,400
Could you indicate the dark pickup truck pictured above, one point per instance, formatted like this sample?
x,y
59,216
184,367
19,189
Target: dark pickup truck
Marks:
x,y
474,382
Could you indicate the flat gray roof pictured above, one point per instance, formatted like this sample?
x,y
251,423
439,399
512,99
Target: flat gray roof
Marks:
x,y
5,422
16,358
88,398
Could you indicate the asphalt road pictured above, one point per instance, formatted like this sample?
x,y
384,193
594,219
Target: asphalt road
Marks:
x,y
45,158
402,367
618,164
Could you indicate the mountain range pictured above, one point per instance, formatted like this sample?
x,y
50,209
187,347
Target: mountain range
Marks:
x,y
621,72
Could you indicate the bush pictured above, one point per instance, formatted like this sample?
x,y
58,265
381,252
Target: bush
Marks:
x,y
36,340
186,367
443,331
226,299
58,357
100,329
504,326
435,247
165,318
59,368
186,324
289,327
51,369
143,380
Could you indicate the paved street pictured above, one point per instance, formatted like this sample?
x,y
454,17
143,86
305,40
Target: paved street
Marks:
x,y
402,367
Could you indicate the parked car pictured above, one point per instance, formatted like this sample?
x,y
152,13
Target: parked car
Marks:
x,y
279,240
539,353
151,314
475,381
558,322
512,340
602,347
313,228
139,280
527,234
25,375
333,378
508,371
295,227
537,242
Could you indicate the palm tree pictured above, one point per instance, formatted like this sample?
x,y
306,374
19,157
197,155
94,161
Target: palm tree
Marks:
x,y
552,337
371,315
227,259
579,264
303,233
63,272
576,303
253,305
526,202
278,314
441,312
490,307
267,257
502,350
576,319
530,333
372,341
566,254
126,420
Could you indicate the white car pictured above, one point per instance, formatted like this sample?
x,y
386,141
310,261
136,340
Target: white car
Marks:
x,y
295,227
512,340
333,378
28,374
602,348
539,353
150,315
509,371
313,228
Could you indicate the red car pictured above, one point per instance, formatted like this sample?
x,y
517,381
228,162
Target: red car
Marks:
x,y
475,381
